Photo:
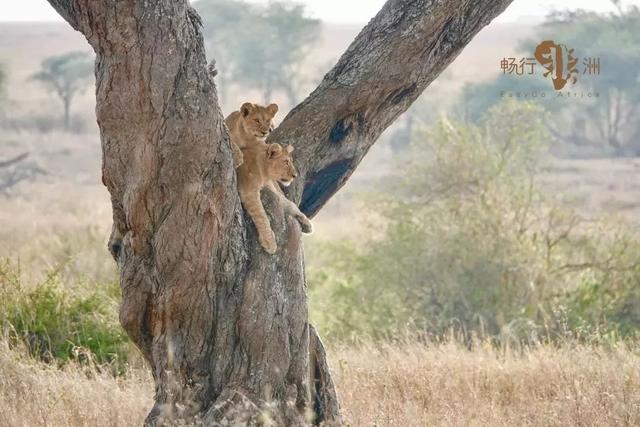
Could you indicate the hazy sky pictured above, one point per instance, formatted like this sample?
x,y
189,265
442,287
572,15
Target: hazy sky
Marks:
x,y
344,11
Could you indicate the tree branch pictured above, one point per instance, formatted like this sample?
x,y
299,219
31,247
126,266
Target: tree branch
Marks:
x,y
63,7
393,59
12,176
72,12
18,158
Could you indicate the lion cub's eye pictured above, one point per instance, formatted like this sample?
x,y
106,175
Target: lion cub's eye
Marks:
x,y
256,120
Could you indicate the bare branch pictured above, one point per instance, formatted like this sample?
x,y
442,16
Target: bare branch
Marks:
x,y
14,172
18,158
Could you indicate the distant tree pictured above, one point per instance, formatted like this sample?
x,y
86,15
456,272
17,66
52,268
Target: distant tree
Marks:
x,y
222,35
291,33
66,75
260,47
608,120
614,38
471,241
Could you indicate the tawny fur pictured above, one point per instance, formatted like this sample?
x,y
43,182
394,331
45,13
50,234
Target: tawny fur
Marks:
x,y
263,167
248,127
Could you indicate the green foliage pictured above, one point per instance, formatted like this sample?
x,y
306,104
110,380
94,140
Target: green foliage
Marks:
x,y
55,322
259,47
468,242
67,73
607,121
221,20
477,98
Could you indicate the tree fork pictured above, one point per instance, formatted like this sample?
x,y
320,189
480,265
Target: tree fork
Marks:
x,y
222,324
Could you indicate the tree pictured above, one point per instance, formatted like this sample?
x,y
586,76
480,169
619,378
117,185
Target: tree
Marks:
x,y
610,119
459,246
607,121
274,52
223,35
66,75
223,324
260,47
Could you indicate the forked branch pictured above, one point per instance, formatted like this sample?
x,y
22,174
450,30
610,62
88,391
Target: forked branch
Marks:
x,y
389,64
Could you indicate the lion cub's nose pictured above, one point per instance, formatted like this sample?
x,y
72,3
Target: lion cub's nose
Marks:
x,y
295,174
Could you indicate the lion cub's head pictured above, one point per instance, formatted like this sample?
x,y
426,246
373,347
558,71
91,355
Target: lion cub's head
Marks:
x,y
280,164
257,119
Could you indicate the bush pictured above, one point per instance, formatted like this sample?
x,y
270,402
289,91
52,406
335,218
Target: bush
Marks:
x,y
468,242
56,323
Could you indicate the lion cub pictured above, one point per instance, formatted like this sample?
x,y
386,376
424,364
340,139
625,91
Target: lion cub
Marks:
x,y
264,165
248,127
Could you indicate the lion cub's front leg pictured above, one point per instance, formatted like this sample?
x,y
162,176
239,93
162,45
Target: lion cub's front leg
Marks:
x,y
253,205
289,207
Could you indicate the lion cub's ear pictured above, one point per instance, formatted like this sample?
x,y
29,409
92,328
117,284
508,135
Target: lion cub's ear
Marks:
x,y
246,109
289,149
274,150
272,109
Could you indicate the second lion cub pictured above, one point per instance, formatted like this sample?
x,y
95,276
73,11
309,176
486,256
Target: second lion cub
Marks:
x,y
248,127
264,166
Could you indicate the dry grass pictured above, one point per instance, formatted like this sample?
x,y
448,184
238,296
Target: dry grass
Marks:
x,y
34,394
447,385
384,385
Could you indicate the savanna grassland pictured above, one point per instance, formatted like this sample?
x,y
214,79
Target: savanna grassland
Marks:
x,y
456,281
65,361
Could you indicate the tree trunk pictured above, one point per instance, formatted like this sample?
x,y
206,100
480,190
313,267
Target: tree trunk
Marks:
x,y
67,112
267,92
223,324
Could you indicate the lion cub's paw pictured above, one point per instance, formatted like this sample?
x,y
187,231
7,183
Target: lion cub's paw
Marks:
x,y
268,242
305,224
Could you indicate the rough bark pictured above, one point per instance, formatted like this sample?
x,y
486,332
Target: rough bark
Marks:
x,y
326,408
223,324
66,101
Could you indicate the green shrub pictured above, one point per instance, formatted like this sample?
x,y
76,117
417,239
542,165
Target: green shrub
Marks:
x,y
469,242
58,323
